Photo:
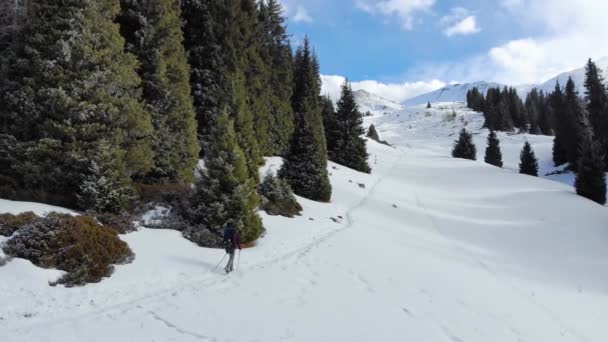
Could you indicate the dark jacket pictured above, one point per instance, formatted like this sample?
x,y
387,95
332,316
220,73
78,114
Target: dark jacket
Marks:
x,y
232,240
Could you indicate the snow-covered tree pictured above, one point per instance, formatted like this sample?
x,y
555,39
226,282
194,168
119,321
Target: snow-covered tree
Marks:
x,y
528,163
590,175
224,194
277,197
372,133
350,147
464,147
305,166
152,29
493,153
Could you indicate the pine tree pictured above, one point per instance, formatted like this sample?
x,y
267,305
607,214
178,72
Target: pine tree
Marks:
x,y
597,104
545,115
13,19
305,166
152,29
528,163
350,149
532,109
103,188
276,51
493,153
75,87
590,177
330,124
248,93
205,42
464,147
224,194
372,133
573,114
559,154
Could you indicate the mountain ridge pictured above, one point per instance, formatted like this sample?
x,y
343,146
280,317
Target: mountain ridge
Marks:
x,y
457,92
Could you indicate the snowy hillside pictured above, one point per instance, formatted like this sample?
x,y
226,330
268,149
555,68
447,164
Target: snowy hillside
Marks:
x,y
450,93
458,92
427,248
578,76
375,104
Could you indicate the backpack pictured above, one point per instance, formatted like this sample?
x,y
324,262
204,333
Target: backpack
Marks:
x,y
229,239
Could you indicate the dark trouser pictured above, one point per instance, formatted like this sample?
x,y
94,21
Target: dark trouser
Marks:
x,y
230,264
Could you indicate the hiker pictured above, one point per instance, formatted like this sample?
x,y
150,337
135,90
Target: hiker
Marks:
x,y
232,241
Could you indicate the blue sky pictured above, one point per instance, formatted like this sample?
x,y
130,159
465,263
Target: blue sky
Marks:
x,y
426,43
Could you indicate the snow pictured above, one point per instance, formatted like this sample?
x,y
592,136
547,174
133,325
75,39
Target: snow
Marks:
x,y
458,92
430,249
451,93
375,104
14,207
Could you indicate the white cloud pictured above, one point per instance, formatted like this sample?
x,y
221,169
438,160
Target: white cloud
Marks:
x,y
459,22
302,15
397,92
568,34
404,9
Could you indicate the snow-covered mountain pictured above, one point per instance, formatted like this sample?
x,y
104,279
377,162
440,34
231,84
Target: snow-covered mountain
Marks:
x,y
450,93
578,76
375,104
457,92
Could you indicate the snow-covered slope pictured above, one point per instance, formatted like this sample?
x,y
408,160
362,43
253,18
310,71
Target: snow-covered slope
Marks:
x,y
375,104
457,92
578,76
426,248
450,93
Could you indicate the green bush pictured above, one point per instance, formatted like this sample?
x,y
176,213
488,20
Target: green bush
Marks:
x,y
277,198
78,245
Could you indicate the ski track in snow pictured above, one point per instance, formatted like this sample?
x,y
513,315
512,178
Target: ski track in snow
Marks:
x,y
340,279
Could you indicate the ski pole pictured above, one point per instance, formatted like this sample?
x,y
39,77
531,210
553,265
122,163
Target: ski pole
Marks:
x,y
218,265
238,260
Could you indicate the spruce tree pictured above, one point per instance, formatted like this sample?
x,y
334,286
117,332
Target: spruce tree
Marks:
x,y
597,104
224,194
305,166
13,19
528,163
152,29
276,52
596,96
372,133
350,149
330,124
205,42
76,88
545,115
559,154
493,153
464,147
590,176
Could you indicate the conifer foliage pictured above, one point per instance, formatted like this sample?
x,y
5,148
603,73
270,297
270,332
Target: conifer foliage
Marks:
x,y
350,146
493,153
75,88
590,176
372,133
329,123
528,163
152,29
305,166
224,194
464,147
